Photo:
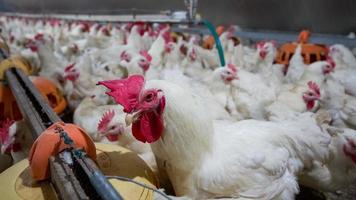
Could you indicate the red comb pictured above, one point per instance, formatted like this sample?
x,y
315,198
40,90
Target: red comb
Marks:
x,y
232,67
106,119
106,31
4,129
125,56
85,27
167,36
69,67
183,49
54,22
129,26
313,86
261,44
146,55
125,91
39,36
141,24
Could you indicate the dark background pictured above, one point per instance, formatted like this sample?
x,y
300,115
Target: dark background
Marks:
x,y
322,16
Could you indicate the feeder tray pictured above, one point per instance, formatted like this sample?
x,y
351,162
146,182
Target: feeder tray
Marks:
x,y
52,94
112,160
8,105
310,52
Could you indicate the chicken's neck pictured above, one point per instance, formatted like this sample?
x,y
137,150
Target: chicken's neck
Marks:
x,y
48,60
188,131
157,50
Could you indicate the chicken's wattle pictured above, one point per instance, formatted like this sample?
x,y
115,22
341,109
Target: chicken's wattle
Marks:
x,y
149,127
350,150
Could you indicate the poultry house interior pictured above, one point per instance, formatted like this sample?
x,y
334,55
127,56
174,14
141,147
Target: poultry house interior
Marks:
x,y
177,100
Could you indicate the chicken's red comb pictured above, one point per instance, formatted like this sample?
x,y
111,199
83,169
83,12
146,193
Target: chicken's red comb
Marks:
x,y
128,26
54,22
146,55
261,44
106,31
38,36
183,49
125,91
166,36
232,67
4,129
313,86
85,26
105,120
69,67
162,27
125,56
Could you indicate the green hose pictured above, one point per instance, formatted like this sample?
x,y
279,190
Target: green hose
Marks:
x,y
217,41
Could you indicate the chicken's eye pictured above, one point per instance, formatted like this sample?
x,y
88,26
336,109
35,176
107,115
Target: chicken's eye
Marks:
x,y
310,93
149,97
228,72
113,127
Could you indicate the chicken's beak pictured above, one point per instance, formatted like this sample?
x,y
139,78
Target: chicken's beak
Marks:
x,y
131,118
128,119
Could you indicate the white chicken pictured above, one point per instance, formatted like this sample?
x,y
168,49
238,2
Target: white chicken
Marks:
x,y
264,157
296,66
340,105
338,171
342,56
294,100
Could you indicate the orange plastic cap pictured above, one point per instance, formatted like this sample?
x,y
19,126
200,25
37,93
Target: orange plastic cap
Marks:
x,y
49,144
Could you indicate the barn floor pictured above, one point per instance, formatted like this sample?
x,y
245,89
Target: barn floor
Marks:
x,y
346,194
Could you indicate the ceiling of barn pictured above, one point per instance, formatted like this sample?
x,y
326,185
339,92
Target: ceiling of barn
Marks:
x,y
323,16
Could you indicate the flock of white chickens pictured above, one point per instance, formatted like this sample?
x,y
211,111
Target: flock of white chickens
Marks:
x,y
249,130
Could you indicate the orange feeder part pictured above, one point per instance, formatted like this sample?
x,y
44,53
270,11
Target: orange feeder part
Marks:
x,y
51,93
8,104
209,42
49,144
310,52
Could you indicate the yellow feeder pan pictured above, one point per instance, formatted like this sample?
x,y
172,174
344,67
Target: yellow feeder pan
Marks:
x,y
15,61
113,160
